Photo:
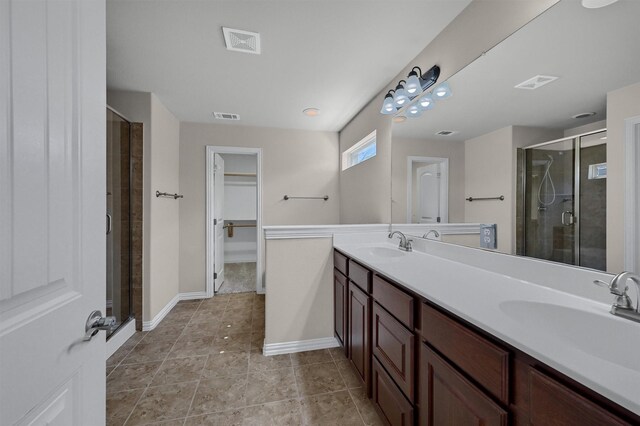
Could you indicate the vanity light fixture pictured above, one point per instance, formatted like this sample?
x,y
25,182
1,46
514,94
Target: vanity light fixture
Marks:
x,y
443,91
388,106
405,91
400,98
426,101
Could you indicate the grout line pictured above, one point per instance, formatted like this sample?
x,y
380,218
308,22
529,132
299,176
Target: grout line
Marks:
x,y
357,408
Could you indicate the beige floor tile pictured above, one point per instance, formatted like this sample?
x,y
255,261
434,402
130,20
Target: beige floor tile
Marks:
x,y
120,405
176,422
311,357
191,346
318,378
226,364
119,355
365,407
240,304
164,333
241,314
232,342
330,409
271,385
132,376
351,379
148,352
160,403
207,316
110,368
235,326
225,418
201,329
337,353
258,362
218,394
179,370
282,413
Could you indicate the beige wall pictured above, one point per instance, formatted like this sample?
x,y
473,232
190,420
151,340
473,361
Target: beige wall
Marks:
x,y
405,147
364,193
299,305
490,171
294,162
621,104
160,216
165,212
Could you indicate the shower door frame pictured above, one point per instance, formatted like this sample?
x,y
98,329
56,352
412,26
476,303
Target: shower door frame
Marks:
x,y
576,187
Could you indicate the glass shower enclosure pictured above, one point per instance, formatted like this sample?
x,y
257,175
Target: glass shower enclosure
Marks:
x,y
565,210
118,219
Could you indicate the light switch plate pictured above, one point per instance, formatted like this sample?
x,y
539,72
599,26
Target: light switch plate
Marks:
x,y
489,236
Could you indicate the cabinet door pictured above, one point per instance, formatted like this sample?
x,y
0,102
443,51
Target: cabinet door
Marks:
x,y
555,404
393,346
359,333
340,307
391,404
447,398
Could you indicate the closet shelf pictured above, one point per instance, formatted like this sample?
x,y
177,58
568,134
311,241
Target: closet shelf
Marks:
x,y
241,174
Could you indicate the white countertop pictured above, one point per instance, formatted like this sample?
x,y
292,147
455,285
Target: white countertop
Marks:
x,y
574,334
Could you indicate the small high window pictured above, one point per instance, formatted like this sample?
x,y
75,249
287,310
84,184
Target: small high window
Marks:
x,y
362,151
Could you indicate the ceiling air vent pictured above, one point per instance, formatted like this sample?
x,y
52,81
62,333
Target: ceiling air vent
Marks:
x,y
536,82
226,116
241,41
445,133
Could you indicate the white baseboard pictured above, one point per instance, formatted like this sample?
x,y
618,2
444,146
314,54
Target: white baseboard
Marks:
x,y
193,295
299,346
119,337
150,325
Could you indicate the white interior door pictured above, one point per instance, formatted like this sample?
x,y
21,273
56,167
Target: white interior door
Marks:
x,y
218,209
429,193
52,222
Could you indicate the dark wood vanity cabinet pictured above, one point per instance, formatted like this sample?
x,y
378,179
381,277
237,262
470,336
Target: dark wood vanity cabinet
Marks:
x,y
422,365
359,332
448,398
340,294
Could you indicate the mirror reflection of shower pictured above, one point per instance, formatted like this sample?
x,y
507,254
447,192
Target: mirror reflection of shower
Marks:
x,y
564,201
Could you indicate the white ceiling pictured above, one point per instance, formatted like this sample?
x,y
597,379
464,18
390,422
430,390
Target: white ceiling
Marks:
x,y
329,54
593,51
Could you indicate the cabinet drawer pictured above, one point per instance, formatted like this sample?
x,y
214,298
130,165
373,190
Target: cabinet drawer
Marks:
x,y
448,398
389,400
340,262
394,300
555,404
394,346
360,275
482,360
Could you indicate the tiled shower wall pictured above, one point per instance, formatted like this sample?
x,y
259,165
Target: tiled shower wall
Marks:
x,y
136,221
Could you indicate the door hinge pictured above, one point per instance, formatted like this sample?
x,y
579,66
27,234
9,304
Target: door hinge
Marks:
x,y
215,221
215,275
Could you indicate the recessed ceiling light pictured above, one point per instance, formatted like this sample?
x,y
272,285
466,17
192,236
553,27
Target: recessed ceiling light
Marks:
x,y
596,4
311,112
399,119
584,115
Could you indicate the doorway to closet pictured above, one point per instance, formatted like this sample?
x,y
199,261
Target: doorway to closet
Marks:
x,y
234,243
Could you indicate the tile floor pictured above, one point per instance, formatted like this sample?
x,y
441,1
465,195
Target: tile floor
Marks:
x,y
203,365
238,278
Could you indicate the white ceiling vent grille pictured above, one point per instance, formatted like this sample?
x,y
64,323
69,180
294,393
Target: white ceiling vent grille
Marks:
x,y
536,82
226,116
445,132
241,41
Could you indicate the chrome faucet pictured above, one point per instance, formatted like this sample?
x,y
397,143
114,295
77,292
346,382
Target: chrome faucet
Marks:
x,y
622,306
405,244
432,231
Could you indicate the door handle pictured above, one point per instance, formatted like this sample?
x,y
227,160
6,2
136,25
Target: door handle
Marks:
x,y
109,220
571,218
97,322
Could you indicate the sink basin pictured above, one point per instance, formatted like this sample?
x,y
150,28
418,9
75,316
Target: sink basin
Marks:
x,y
386,252
598,334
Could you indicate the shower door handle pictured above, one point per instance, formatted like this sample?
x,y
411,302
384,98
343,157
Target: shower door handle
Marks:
x,y
109,220
571,218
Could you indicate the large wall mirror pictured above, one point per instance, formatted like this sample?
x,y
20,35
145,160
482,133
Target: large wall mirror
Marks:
x,y
534,133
